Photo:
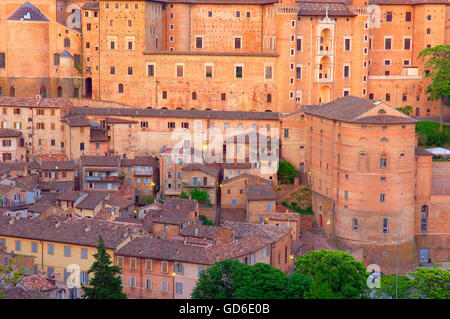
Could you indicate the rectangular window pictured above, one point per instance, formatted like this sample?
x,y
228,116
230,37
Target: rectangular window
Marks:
x,y
299,44
269,98
180,70
67,251
347,44
148,265
34,247
51,250
387,43
164,286
133,263
381,198
132,282
239,71
208,71
164,94
84,253
120,261
199,42
298,72
148,284
178,268
268,72
164,266
3,60
112,70
237,43
346,71
151,70
407,44
408,17
388,16
130,70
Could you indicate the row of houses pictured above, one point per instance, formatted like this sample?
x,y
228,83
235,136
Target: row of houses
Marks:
x,y
160,254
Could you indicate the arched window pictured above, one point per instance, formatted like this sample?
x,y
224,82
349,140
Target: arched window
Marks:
x,y
355,224
194,95
267,111
60,91
424,219
402,155
129,23
384,140
381,111
120,88
67,43
385,225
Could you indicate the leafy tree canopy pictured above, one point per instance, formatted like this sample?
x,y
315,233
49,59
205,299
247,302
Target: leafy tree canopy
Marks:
x,y
263,281
201,196
183,195
336,274
286,172
431,283
220,281
105,284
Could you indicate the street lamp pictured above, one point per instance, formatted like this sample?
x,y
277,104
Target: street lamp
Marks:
x,y
173,284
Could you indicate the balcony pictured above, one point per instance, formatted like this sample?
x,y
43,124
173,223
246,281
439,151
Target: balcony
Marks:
x,y
207,185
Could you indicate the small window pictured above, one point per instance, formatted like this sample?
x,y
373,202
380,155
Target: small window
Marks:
x,y
199,42
385,225
388,43
239,71
121,88
388,16
151,70
237,43
355,224
408,17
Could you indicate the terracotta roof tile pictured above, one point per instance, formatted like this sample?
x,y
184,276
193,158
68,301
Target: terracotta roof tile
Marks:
x,y
8,132
101,161
260,192
188,114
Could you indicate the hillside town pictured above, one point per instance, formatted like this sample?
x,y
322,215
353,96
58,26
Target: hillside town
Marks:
x,y
179,136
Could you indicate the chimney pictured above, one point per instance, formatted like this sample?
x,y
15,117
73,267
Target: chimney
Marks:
x,y
11,221
87,228
57,224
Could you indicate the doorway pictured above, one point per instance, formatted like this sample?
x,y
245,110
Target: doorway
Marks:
x,y
88,88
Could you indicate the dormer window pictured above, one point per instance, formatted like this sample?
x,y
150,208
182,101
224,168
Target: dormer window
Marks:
x,y
381,111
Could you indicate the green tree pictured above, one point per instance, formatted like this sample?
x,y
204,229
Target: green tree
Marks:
x,y
437,67
336,274
11,273
263,281
286,172
183,195
201,196
388,287
206,221
407,109
105,284
298,285
431,283
220,281
147,199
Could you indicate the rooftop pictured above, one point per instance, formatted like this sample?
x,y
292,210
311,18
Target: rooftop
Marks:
x,y
8,132
101,161
183,114
260,192
353,109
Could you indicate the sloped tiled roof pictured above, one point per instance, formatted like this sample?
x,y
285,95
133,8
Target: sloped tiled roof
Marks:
x,y
260,192
102,161
210,169
81,231
319,8
58,166
248,176
184,114
350,108
8,132
92,200
27,9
